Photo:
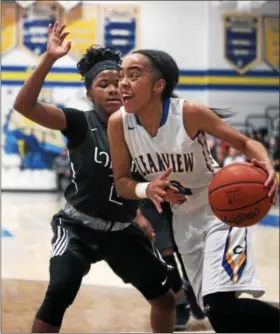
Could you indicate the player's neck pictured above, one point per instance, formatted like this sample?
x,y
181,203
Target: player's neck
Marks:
x,y
102,114
150,117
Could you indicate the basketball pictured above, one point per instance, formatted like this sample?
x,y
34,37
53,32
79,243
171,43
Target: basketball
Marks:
x,y
237,194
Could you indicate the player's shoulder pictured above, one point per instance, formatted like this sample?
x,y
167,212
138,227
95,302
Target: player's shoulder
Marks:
x,y
180,105
72,110
116,117
74,113
192,108
115,121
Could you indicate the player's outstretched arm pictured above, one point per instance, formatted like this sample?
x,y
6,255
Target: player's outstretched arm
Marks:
x,y
27,99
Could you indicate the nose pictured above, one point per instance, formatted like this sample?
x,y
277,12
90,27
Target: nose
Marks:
x,y
123,83
113,90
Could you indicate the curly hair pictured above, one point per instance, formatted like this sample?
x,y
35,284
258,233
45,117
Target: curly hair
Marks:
x,y
96,54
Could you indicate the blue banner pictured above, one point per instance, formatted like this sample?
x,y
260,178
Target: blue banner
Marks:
x,y
242,41
120,27
34,25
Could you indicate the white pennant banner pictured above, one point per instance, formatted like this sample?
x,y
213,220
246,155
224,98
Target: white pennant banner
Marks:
x,y
25,4
68,5
247,6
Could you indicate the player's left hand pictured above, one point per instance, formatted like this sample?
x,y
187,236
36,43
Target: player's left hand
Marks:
x,y
271,182
174,196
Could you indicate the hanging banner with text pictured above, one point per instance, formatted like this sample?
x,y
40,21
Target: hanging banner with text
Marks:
x,y
242,41
33,25
121,26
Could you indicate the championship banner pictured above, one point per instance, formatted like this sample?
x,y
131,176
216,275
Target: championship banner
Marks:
x,y
8,26
271,41
242,41
33,25
121,26
68,5
81,22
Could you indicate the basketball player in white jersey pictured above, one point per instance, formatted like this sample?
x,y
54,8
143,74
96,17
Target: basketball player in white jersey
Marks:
x,y
165,136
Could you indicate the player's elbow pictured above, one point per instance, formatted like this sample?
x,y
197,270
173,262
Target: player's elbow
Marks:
x,y
18,106
22,106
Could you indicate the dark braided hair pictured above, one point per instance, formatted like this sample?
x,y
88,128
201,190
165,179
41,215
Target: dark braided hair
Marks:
x,y
164,66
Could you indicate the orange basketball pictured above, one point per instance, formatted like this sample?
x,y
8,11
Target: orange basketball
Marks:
x,y
237,194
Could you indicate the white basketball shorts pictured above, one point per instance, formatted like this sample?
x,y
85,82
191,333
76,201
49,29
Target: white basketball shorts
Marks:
x,y
217,258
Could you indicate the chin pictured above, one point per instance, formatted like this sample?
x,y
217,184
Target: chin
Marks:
x,y
111,111
130,109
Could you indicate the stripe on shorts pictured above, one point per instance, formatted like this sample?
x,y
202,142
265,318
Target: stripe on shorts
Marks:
x,y
61,242
235,254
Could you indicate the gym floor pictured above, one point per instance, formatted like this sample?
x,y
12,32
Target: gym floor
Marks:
x,y
104,303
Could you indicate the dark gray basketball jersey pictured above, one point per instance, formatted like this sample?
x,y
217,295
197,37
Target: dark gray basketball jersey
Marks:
x,y
92,189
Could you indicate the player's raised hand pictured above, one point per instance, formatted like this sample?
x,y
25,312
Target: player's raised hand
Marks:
x,y
156,189
56,48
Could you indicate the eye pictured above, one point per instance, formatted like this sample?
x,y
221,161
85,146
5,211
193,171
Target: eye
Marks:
x,y
134,75
103,84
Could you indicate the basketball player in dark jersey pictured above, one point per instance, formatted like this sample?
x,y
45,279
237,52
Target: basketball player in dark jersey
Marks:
x,y
95,224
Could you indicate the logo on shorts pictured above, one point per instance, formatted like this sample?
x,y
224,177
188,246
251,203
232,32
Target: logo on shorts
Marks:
x,y
206,309
163,283
237,249
233,196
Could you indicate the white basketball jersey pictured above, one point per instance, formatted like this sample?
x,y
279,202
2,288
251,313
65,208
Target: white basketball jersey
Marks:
x,y
205,243
190,160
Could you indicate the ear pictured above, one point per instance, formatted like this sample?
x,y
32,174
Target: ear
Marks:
x,y
159,86
89,97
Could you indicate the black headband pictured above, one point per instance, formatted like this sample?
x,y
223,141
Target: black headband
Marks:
x,y
99,67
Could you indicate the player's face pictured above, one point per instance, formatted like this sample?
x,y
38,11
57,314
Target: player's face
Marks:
x,y
105,93
136,83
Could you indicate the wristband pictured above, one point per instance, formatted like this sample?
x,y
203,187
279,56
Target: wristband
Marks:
x,y
141,189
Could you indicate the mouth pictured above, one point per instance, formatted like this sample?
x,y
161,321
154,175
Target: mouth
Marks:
x,y
114,101
126,97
